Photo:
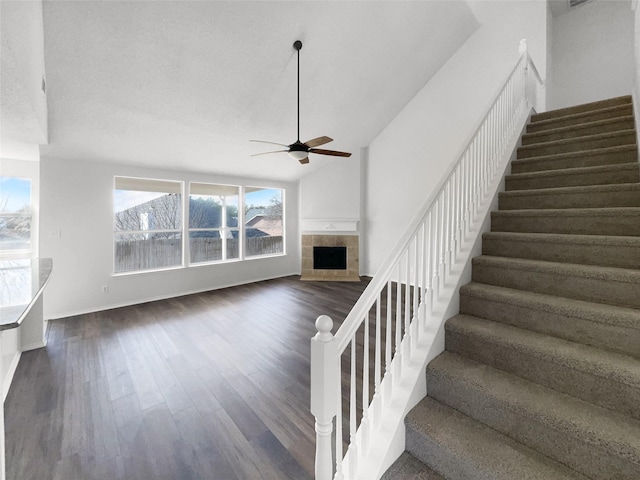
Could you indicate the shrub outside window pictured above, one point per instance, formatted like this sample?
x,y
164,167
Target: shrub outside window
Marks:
x,y
213,222
264,221
147,224
15,215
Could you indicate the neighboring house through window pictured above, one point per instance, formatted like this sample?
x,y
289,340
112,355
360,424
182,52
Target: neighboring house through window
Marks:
x,y
223,224
264,218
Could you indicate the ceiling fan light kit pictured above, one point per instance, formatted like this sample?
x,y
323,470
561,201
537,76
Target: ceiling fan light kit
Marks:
x,y
298,150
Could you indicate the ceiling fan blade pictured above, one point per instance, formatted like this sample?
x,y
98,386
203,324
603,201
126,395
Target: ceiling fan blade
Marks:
x,y
272,143
329,152
304,161
267,153
316,142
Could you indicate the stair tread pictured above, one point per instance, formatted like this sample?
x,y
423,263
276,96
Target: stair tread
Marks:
x,y
408,467
579,126
488,453
565,141
578,116
600,363
575,212
573,269
597,312
585,107
632,166
603,188
593,151
604,240
601,426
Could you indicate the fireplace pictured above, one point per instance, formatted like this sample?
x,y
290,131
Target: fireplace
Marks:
x,y
330,258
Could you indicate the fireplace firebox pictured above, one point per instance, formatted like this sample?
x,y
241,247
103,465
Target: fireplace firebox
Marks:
x,y
330,258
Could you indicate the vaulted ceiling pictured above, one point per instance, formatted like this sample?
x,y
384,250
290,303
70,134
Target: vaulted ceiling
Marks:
x,y
185,85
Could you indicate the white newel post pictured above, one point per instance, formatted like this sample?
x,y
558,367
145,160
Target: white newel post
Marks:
x,y
323,398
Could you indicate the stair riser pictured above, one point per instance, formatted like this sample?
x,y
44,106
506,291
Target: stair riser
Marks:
x,y
569,379
585,118
581,131
525,427
577,145
541,199
588,107
440,458
615,255
555,281
626,225
554,322
591,160
630,175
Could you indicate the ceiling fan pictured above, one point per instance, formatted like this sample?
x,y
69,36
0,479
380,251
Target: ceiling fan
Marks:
x,y
299,150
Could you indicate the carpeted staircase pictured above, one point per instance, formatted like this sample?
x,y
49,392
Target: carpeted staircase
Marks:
x,y
541,374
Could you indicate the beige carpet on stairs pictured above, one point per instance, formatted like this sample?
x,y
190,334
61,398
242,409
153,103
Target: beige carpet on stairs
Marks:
x,y
540,379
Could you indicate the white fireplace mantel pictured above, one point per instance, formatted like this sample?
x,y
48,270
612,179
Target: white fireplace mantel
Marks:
x,y
329,225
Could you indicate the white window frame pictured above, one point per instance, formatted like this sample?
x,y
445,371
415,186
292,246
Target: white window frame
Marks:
x,y
216,189
180,231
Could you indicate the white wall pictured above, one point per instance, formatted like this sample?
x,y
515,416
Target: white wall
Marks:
x,y
593,52
77,201
332,191
411,155
24,107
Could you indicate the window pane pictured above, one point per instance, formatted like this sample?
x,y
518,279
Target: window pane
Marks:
x,y
205,246
145,251
263,221
145,205
15,213
205,211
233,245
15,195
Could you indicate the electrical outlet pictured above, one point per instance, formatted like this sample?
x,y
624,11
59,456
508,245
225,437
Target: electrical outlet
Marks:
x,y
105,289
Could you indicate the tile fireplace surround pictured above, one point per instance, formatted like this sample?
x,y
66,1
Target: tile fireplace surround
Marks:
x,y
350,274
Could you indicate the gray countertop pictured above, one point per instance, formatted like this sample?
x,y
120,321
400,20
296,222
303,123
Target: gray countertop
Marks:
x,y
21,283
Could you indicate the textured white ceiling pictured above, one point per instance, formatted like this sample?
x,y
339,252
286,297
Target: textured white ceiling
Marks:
x,y
184,85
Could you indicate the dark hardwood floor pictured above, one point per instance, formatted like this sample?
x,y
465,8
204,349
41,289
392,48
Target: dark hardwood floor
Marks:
x,y
206,386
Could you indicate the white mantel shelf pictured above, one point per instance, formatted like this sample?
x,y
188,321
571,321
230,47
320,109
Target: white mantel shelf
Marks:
x,y
329,225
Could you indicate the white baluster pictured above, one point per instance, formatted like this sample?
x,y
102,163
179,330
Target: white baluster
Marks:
x,y
339,455
377,374
353,445
364,424
323,384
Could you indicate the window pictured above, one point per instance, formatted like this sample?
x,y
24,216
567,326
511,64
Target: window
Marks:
x,y
147,224
263,221
15,215
213,222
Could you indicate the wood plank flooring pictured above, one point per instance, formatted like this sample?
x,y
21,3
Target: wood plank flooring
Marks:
x,y
207,386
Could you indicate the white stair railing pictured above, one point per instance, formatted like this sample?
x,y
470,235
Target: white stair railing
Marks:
x,y
358,374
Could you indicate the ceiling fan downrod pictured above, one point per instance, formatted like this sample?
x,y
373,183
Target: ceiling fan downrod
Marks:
x,y
298,45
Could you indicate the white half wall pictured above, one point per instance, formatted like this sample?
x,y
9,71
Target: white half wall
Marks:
x,y
592,53
76,199
413,152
